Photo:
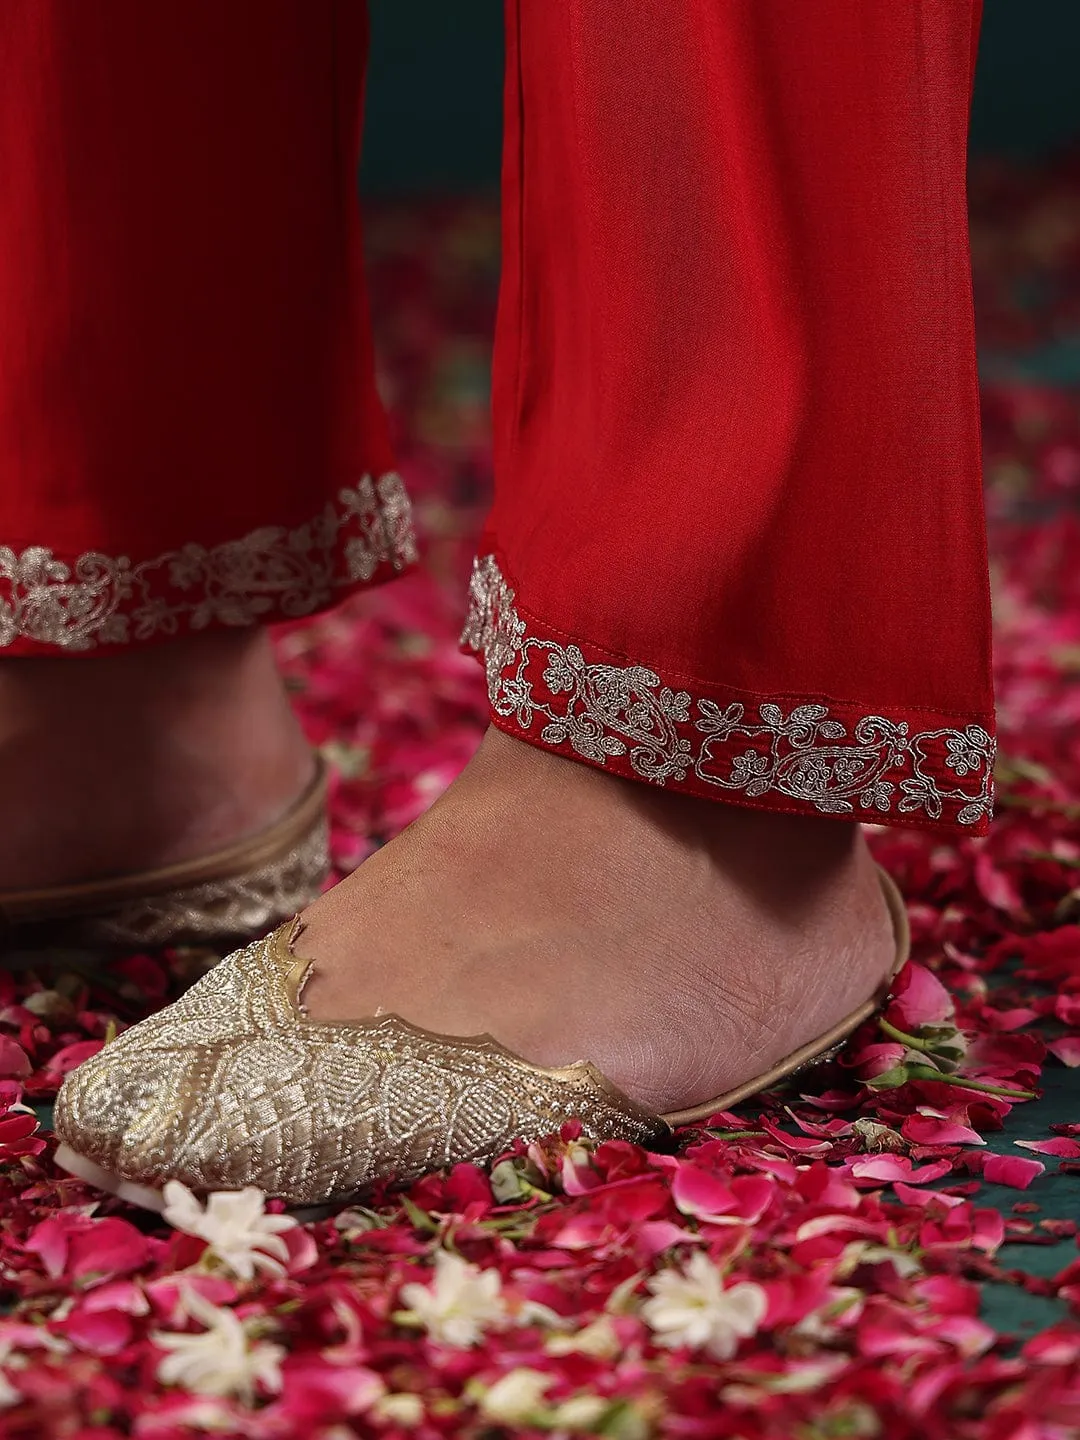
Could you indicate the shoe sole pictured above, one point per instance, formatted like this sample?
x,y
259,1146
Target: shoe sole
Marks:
x,y
83,1169
144,1197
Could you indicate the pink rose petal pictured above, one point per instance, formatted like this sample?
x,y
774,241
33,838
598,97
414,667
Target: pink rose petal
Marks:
x,y
997,887
911,1195
753,1195
1066,1049
696,1192
919,999
1067,1009
801,1144
70,1056
898,1167
103,1332
1012,1170
49,1241
988,1230
930,1130
13,1058
655,1236
1006,1020
1065,1149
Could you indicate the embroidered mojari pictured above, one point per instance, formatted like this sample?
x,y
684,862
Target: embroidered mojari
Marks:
x,y
233,1085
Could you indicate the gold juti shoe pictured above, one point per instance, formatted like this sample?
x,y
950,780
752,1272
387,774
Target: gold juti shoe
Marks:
x,y
233,1086
215,900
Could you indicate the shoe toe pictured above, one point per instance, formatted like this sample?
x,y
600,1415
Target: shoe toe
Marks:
x,y
126,1111
232,1086
97,1106
143,1107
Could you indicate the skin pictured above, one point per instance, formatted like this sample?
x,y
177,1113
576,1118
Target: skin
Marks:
x,y
122,762
679,944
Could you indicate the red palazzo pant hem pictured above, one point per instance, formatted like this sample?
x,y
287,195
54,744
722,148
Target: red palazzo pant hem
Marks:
x,y
191,434
737,544
96,602
808,754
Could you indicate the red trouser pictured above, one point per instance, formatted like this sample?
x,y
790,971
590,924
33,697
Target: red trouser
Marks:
x,y
737,543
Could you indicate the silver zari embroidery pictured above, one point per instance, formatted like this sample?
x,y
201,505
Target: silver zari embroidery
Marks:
x,y
271,572
604,710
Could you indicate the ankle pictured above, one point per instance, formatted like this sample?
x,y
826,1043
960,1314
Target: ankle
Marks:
x,y
137,687
156,755
580,815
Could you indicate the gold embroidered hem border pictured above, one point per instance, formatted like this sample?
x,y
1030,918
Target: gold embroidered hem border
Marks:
x,y
811,757
271,574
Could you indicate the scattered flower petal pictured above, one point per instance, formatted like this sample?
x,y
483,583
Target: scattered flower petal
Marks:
x,y
693,1307
1012,1170
234,1225
458,1305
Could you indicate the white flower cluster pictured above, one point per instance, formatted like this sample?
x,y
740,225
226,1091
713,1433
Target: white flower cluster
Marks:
x,y
689,1307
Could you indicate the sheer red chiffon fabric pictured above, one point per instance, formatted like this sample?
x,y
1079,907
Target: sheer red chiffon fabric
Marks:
x,y
737,545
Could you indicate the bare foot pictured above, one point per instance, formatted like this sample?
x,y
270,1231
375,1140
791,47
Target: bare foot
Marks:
x,y
682,946
126,762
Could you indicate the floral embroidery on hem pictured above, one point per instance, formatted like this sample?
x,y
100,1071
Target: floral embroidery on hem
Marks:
x,y
874,765
272,573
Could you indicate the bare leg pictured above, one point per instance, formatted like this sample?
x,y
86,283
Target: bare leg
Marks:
x,y
141,759
682,946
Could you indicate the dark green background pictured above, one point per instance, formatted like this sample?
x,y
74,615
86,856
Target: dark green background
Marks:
x,y
434,92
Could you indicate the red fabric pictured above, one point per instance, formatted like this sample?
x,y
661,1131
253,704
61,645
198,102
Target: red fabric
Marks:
x,y
185,356
737,543
736,410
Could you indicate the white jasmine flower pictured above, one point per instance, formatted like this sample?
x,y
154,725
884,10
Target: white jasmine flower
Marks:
x,y
399,1409
693,1308
235,1226
221,1360
515,1397
580,1412
459,1302
597,1339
